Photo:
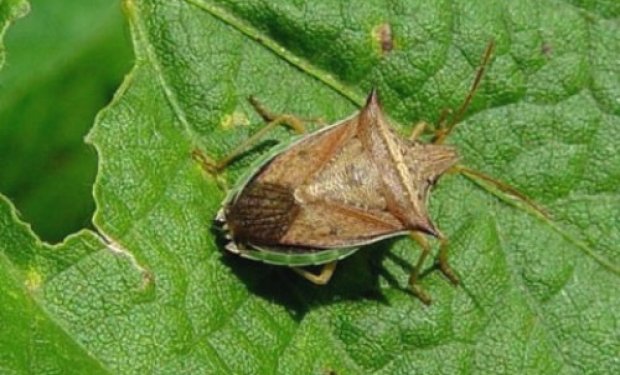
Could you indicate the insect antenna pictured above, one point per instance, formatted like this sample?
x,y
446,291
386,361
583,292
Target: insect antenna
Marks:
x,y
477,175
444,132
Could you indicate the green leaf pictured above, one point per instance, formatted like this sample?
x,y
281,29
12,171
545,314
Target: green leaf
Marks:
x,y
156,293
33,338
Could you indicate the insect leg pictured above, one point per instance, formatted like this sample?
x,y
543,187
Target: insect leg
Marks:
x,y
421,126
214,167
442,260
418,130
291,121
322,278
415,273
294,122
443,118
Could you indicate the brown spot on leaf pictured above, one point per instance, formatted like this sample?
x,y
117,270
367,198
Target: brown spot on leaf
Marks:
x,y
383,35
546,49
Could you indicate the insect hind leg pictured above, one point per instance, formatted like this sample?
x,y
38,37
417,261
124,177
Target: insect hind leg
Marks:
x,y
322,278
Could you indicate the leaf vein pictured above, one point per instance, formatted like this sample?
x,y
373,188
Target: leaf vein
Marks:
x,y
300,63
529,299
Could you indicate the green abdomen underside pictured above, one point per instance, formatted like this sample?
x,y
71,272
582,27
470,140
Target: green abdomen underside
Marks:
x,y
294,257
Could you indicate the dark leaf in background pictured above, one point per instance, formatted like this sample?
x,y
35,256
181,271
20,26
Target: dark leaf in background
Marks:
x,y
65,61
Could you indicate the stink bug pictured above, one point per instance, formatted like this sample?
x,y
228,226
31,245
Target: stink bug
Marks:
x,y
321,197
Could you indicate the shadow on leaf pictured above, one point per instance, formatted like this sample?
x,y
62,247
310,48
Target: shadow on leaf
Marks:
x,y
356,278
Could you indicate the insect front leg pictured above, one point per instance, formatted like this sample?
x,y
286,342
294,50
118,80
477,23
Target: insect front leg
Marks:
x,y
215,167
294,122
439,131
322,278
418,130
